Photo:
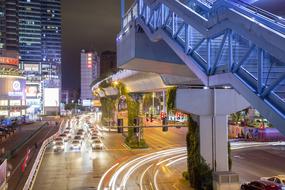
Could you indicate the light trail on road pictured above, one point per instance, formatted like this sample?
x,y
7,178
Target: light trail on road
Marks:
x,y
127,169
154,161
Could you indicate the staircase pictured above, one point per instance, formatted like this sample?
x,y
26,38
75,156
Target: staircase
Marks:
x,y
221,40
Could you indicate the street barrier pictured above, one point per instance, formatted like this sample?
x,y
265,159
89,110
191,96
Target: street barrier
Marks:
x,y
36,166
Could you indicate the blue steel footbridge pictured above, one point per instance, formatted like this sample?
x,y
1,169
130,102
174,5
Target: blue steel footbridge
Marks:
x,y
222,42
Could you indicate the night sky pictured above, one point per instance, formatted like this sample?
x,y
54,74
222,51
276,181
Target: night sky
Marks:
x,y
87,24
94,24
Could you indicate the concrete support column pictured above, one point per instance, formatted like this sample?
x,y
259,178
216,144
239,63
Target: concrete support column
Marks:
x,y
213,107
214,141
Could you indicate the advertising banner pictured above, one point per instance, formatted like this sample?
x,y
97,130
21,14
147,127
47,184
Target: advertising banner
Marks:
x,y
31,91
12,87
9,61
51,97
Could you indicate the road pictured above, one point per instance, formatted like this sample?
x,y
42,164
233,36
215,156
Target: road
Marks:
x,y
83,169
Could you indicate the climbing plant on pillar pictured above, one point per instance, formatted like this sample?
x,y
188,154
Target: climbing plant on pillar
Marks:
x,y
108,104
170,99
199,173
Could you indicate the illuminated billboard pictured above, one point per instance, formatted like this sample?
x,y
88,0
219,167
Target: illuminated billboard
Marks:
x,y
31,91
51,97
9,61
86,103
12,87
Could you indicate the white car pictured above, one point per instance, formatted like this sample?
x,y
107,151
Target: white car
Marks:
x,y
58,139
97,144
76,144
58,146
64,137
279,179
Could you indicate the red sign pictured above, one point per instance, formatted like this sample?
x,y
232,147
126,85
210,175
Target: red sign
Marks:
x,y
9,61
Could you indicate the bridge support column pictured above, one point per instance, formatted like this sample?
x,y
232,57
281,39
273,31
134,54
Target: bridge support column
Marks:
x,y
214,141
213,107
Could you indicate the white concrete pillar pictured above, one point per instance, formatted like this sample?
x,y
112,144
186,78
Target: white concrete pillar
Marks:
x,y
213,107
206,131
214,141
220,143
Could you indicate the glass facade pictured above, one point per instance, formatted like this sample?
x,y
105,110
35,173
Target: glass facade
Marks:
x,y
8,25
40,47
51,42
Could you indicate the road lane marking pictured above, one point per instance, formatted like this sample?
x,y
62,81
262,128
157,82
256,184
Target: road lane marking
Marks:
x,y
142,176
105,174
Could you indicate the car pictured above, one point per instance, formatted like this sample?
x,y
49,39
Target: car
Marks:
x,y
81,131
97,144
64,137
78,137
68,134
80,134
58,139
93,138
68,129
279,179
58,146
261,185
75,144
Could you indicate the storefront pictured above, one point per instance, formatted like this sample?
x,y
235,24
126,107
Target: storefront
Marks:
x,y
12,96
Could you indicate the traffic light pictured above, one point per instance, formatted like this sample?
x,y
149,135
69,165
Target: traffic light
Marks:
x,y
120,123
164,125
136,129
136,124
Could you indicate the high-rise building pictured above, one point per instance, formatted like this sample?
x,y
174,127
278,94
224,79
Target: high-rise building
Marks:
x,y
12,83
30,51
40,49
108,63
9,26
51,42
90,71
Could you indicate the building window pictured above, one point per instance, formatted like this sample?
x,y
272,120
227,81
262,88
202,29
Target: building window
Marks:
x,y
3,102
15,102
4,112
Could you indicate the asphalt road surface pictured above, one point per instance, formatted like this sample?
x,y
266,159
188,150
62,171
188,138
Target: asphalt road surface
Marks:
x,y
83,169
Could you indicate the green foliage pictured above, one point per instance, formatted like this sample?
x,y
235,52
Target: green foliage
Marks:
x,y
170,99
132,142
133,112
107,108
105,84
200,174
147,102
236,117
229,156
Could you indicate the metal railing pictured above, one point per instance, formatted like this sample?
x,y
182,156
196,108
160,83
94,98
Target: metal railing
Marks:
x,y
260,69
36,166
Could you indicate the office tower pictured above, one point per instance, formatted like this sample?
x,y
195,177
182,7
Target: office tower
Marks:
x,y
12,83
90,71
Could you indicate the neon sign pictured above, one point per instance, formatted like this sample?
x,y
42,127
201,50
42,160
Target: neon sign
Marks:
x,y
9,61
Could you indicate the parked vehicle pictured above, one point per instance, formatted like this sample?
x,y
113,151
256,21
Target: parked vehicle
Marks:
x,y
261,185
279,179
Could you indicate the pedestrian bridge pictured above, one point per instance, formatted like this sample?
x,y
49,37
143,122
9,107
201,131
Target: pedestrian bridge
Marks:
x,y
223,42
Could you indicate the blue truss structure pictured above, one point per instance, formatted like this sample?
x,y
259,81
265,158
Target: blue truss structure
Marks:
x,y
222,40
